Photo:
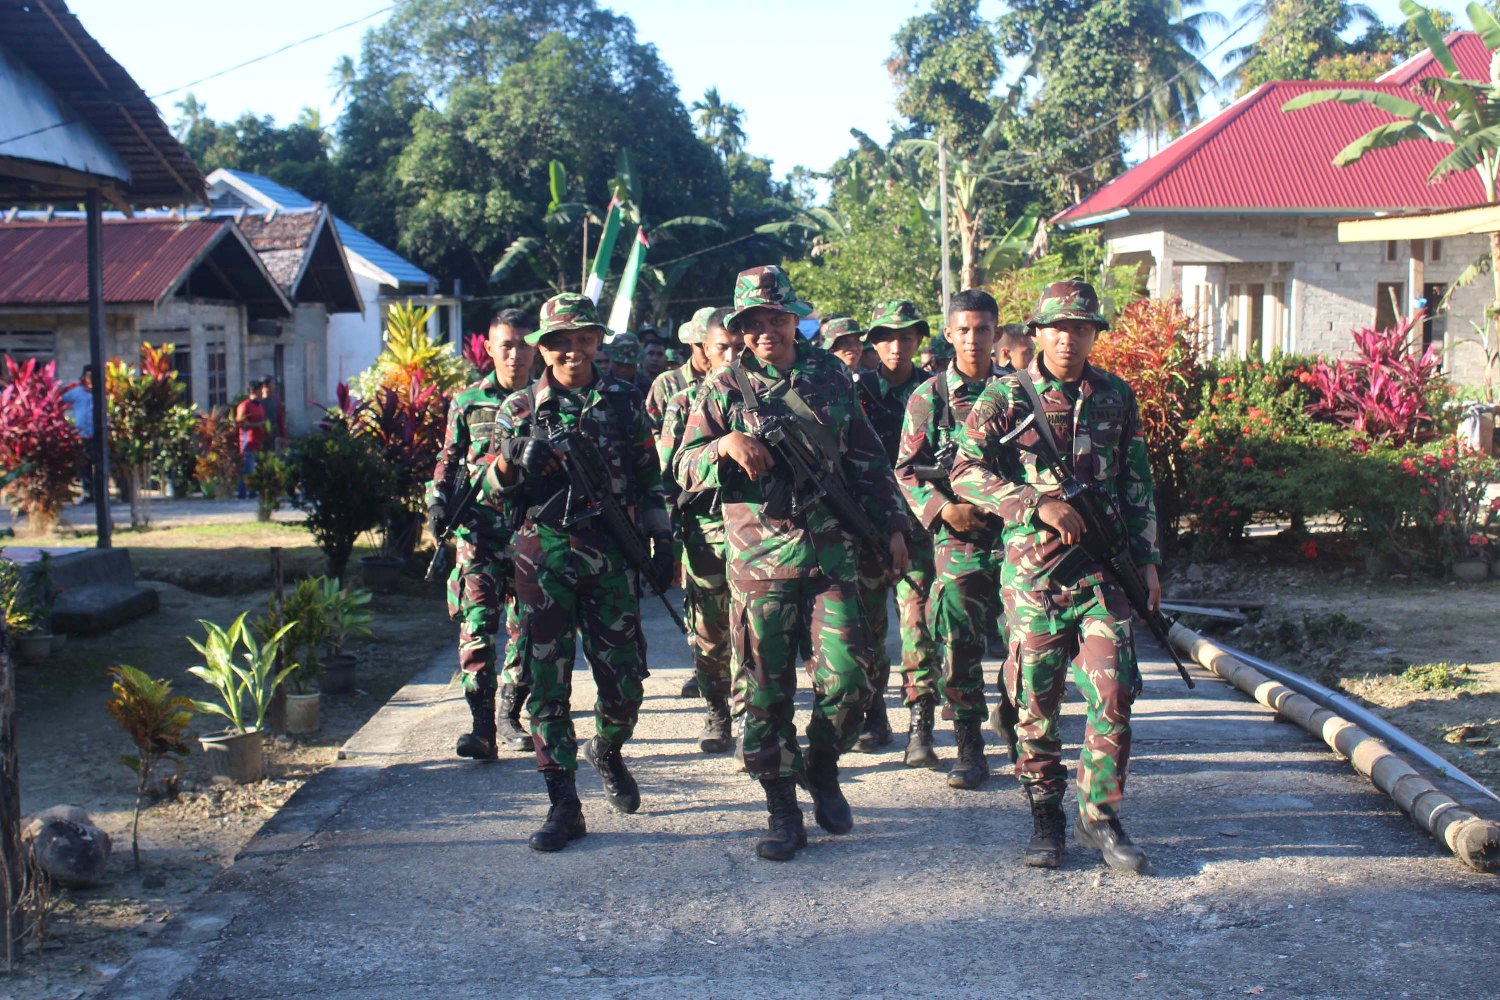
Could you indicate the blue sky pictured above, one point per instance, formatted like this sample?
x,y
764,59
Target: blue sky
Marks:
x,y
798,107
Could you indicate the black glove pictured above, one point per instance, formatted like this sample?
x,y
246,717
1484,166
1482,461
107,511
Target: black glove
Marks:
x,y
437,519
529,453
663,560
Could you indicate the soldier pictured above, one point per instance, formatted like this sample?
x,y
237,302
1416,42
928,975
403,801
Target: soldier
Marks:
x,y
1061,606
844,338
941,354
699,523
624,354
667,385
895,330
571,575
481,576
1014,348
792,568
965,598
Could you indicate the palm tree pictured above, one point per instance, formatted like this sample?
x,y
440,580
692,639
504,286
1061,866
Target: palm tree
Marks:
x,y
1171,76
1289,22
1469,122
719,123
341,78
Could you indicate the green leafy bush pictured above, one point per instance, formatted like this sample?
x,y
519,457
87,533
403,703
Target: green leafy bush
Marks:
x,y
344,484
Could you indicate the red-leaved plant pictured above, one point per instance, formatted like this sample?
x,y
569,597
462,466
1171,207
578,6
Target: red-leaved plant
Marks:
x,y
406,428
1385,392
36,436
476,354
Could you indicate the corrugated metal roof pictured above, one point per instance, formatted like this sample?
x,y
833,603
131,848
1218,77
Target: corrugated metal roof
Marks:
x,y
46,263
1468,51
278,195
389,261
1253,156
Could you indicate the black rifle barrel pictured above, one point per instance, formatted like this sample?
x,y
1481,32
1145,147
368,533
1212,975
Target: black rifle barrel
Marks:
x,y
440,551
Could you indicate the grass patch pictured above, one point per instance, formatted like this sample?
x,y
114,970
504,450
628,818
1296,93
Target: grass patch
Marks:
x,y
1434,676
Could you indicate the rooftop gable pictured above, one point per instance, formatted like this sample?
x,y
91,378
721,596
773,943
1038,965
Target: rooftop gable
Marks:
x,y
1254,157
302,251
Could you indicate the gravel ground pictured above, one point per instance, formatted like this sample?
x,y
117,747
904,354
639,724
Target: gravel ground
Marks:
x,y
403,871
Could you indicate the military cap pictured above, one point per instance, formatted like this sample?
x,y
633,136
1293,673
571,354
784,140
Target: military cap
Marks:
x,y
839,327
625,349
768,287
939,347
676,355
695,330
899,314
1068,300
568,311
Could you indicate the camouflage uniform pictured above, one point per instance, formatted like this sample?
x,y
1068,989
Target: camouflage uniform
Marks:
x,y
1060,614
575,580
792,580
672,381
885,405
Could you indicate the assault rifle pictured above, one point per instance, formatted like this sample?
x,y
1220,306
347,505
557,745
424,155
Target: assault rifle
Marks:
x,y
1104,538
439,562
590,496
807,482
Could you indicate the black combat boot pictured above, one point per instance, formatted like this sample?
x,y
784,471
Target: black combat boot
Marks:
x,y
830,808
786,832
715,737
1107,836
919,752
690,687
479,743
564,823
1047,825
510,733
620,789
971,769
1003,719
877,728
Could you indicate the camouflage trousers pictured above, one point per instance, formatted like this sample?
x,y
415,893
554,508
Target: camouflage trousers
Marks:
x,y
771,623
921,662
1088,630
560,593
707,607
961,612
475,586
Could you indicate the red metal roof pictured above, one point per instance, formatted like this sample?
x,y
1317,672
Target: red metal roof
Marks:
x,y
1252,156
46,262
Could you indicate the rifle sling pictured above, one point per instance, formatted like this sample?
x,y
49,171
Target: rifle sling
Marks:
x,y
801,412
1043,428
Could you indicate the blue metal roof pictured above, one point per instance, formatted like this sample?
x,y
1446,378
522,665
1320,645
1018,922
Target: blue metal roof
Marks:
x,y
381,256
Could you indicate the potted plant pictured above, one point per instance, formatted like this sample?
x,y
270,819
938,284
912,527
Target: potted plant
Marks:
x,y
347,619
25,615
244,694
156,721
307,616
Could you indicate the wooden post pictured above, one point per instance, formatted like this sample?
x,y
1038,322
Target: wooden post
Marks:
x,y
943,223
95,233
276,714
10,802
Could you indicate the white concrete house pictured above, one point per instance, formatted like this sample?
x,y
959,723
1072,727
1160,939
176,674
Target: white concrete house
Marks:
x,y
1240,216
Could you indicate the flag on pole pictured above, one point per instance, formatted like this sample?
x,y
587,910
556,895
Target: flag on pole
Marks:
x,y
619,313
607,239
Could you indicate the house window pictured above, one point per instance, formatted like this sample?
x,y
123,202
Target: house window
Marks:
x,y
1437,251
23,345
182,364
1389,296
1390,250
217,359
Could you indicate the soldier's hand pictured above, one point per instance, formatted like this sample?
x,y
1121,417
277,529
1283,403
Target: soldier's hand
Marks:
x,y
1153,586
748,453
963,517
900,558
664,559
437,517
532,454
1063,519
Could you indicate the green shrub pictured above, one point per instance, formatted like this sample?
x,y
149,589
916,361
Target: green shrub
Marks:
x,y
1434,676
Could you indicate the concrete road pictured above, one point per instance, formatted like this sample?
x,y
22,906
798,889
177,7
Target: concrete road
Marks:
x,y
403,872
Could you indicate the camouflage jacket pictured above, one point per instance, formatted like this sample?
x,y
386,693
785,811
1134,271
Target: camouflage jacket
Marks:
x,y
668,384
885,404
1100,433
466,441
609,412
933,425
766,548
697,517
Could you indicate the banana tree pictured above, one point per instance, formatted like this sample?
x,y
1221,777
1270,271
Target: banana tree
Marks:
x,y
1468,120
550,257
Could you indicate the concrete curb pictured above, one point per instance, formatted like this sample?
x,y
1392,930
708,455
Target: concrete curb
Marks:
x,y
154,972
1473,839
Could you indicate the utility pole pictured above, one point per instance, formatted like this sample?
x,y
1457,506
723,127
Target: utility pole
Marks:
x,y
943,221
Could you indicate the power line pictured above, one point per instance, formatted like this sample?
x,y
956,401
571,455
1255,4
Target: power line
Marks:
x,y
223,72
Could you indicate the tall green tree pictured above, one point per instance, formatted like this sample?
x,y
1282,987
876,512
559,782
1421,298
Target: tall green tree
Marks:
x,y
1296,36
946,66
719,123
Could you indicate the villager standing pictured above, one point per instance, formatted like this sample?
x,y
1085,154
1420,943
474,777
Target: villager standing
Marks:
x,y
965,597
896,328
572,577
698,526
480,590
79,398
792,566
1063,607
254,432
